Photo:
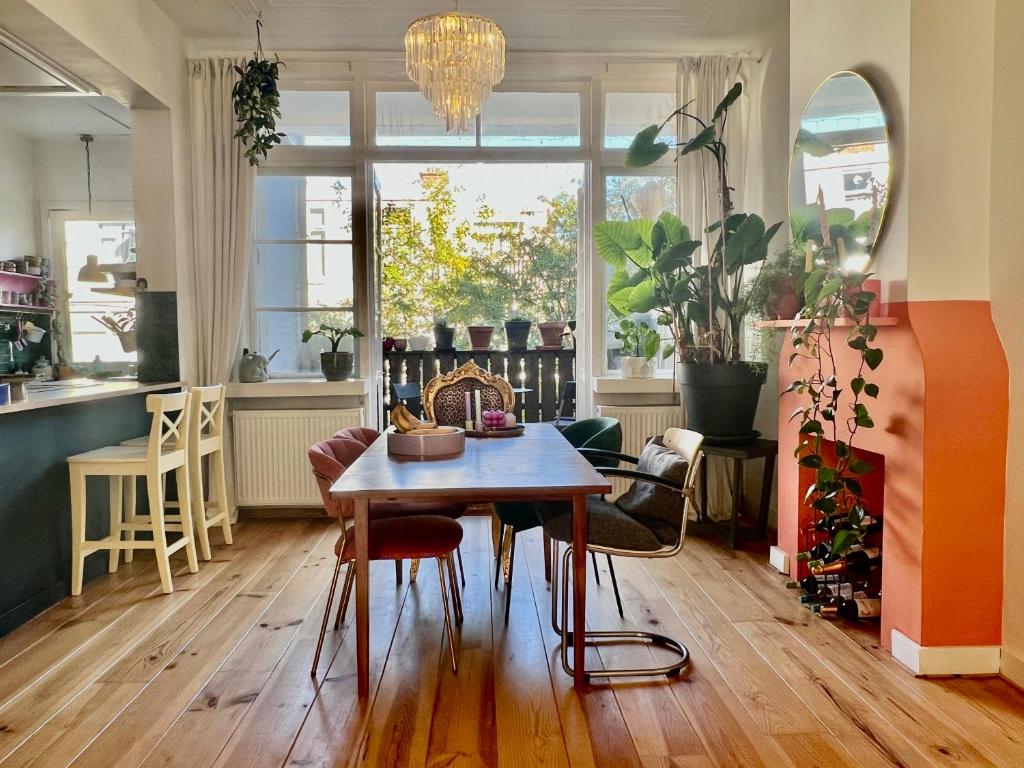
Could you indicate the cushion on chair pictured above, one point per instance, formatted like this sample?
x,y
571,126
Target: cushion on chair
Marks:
x,y
658,508
364,435
609,525
405,538
521,515
380,510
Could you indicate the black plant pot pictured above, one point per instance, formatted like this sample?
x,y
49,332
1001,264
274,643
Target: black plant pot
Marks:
x,y
721,400
336,366
517,334
444,337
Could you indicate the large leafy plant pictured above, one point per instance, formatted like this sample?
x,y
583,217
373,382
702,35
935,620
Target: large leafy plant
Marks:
x,y
835,401
702,302
257,103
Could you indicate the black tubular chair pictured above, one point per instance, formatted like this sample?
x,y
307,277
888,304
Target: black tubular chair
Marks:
x,y
601,434
649,520
566,404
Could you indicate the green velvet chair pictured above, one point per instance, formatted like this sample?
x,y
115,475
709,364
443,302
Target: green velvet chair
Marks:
x,y
599,434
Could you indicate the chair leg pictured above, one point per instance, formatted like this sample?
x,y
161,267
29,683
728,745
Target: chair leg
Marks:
x,y
462,568
456,593
198,494
218,477
116,511
499,558
615,587
129,509
327,614
77,528
597,574
447,616
547,558
398,572
508,579
188,530
155,489
414,570
346,592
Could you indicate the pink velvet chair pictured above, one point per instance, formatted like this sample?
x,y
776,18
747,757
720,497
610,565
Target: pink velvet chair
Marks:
x,y
393,536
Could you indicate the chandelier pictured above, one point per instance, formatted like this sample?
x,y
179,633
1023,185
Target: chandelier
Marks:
x,y
455,59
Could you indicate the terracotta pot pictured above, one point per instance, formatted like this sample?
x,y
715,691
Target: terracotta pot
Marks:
x,y
551,333
480,336
784,302
401,344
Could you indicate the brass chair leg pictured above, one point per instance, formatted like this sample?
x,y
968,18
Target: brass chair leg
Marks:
x,y
455,594
447,616
414,569
346,591
327,615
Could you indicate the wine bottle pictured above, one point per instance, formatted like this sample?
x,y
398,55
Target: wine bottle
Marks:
x,y
819,551
861,608
855,562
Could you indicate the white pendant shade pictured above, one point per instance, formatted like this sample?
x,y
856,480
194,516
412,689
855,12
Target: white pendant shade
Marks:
x,y
455,59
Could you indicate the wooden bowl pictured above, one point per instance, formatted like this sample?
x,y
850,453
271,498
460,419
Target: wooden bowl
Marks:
x,y
426,445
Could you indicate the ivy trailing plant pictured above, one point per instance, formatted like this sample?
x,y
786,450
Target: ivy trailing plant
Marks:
x,y
833,401
257,103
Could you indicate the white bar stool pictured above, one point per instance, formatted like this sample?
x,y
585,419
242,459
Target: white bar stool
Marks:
x,y
206,438
165,451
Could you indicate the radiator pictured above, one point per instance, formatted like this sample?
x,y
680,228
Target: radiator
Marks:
x,y
270,454
640,423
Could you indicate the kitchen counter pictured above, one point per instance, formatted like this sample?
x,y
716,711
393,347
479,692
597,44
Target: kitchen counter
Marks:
x,y
49,394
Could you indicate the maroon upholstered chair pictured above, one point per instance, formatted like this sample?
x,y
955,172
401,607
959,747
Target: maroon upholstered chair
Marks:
x,y
391,537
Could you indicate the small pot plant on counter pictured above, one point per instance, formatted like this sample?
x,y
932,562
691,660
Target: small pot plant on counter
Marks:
x,y
444,336
700,301
640,344
335,365
480,336
517,333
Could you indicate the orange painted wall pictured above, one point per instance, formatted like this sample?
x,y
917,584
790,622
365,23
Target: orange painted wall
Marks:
x,y
942,567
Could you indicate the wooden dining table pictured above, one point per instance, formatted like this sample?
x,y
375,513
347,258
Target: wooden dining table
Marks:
x,y
539,465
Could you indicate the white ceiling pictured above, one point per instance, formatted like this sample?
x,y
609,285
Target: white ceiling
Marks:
x,y
600,26
49,117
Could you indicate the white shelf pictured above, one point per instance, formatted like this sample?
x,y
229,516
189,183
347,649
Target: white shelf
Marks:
x,y
301,388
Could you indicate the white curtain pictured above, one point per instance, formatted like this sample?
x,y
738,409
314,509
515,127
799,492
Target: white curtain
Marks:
x,y
223,183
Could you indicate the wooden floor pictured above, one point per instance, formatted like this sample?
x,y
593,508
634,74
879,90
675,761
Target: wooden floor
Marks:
x,y
217,674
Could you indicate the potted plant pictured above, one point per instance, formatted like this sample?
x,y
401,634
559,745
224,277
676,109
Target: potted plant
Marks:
x,y
444,336
480,336
640,344
257,103
551,333
336,366
419,342
517,333
700,302
776,292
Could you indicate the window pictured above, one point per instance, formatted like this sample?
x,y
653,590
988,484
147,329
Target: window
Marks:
x,y
315,118
636,197
626,114
530,120
406,119
302,266
113,242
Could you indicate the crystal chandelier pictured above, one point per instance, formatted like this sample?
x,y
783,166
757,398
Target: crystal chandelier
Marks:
x,y
455,59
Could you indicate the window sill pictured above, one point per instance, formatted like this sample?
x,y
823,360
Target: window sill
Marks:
x,y
610,384
300,388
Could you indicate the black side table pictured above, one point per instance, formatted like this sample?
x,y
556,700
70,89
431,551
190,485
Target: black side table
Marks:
x,y
759,449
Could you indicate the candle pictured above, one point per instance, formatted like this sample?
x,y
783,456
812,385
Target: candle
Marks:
x,y
479,415
841,247
469,413
809,258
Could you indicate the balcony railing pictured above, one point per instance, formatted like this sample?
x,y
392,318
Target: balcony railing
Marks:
x,y
540,372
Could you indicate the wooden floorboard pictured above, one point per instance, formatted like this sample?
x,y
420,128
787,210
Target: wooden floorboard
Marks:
x,y
217,673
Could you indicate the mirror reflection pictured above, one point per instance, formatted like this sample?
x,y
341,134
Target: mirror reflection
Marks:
x,y
840,173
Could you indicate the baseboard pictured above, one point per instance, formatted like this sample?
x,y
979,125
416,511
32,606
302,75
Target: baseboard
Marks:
x,y
1011,666
778,560
924,661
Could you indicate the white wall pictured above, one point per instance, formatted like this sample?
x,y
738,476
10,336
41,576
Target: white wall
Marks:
x,y
17,230
59,169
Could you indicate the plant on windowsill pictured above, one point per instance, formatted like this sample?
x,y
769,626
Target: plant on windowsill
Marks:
x,y
832,415
640,344
257,103
701,303
335,365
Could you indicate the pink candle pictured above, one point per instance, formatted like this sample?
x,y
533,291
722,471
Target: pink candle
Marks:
x,y
469,410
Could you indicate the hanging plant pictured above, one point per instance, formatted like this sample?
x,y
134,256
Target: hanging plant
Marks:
x,y
257,103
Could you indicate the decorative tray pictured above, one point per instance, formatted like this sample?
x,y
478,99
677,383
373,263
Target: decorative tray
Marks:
x,y
515,431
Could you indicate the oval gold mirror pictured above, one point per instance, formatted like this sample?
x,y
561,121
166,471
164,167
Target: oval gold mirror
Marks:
x,y
840,174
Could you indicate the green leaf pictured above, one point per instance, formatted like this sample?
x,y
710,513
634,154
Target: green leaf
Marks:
x,y
871,390
860,467
676,256
746,237
861,416
873,358
728,101
674,228
645,149
658,239
638,299
614,238
842,449
843,540
812,427
857,385
811,460
810,144
701,140
668,351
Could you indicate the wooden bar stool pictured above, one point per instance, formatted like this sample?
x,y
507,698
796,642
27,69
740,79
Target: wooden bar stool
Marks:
x,y
165,451
206,438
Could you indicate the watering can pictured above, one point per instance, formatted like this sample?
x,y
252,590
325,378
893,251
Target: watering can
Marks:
x,y
252,368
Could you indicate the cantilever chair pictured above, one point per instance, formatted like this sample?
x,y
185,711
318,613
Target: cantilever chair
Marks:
x,y
649,520
392,537
444,397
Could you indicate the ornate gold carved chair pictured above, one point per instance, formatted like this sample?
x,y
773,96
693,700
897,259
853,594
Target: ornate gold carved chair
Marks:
x,y
444,397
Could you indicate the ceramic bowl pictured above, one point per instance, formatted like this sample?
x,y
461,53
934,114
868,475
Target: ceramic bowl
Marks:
x,y
426,445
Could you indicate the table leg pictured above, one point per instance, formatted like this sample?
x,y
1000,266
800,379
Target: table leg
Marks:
x,y
362,564
579,589
737,502
766,494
